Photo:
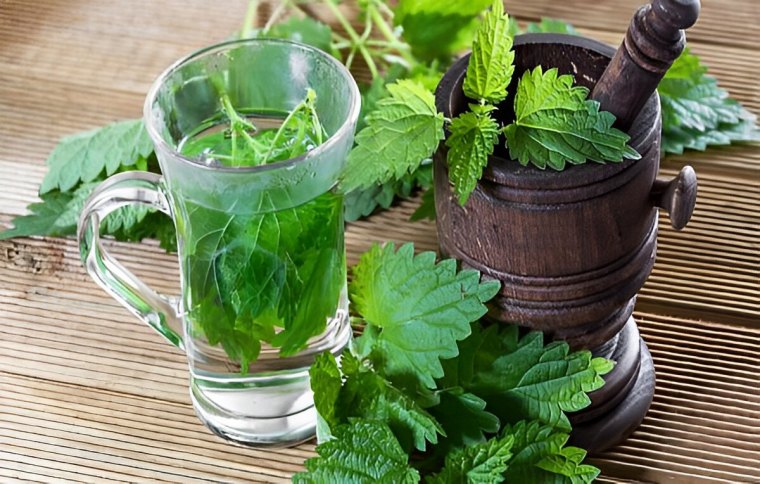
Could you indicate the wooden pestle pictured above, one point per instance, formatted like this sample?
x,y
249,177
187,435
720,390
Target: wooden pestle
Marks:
x,y
654,40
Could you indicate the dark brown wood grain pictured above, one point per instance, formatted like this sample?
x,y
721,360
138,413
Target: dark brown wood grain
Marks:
x,y
571,248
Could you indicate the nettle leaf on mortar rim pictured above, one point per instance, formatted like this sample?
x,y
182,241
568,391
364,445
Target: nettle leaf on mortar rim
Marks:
x,y
555,124
415,309
491,63
473,136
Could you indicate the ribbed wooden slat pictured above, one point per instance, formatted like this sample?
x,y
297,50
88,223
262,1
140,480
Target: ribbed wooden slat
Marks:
x,y
87,393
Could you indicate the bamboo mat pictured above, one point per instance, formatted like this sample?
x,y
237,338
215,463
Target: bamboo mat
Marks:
x,y
87,393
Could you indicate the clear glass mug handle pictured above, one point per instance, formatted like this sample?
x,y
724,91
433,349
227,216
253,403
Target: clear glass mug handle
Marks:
x,y
158,311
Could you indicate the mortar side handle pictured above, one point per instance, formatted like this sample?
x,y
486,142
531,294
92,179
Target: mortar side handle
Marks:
x,y
677,196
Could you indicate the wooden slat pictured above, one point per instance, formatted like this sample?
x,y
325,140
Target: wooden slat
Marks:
x,y
87,393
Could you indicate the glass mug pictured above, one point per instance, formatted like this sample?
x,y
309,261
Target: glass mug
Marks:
x,y
261,249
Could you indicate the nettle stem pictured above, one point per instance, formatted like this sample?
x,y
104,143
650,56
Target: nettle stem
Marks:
x,y
358,42
239,126
250,14
391,38
372,50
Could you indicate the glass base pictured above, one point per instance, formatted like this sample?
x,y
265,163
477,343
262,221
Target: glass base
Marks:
x,y
275,432
272,405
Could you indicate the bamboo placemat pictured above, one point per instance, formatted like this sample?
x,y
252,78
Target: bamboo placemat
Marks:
x,y
88,393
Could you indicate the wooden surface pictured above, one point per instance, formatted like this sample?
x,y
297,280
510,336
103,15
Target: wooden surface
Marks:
x,y
89,393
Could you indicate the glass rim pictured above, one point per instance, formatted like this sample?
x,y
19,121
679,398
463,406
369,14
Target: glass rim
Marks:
x,y
160,142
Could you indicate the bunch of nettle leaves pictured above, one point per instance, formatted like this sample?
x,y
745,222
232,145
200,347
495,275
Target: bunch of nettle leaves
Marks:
x,y
426,390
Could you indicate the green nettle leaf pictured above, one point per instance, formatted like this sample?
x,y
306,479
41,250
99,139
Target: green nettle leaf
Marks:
x,y
466,419
305,30
478,464
567,466
697,113
551,26
491,63
539,456
555,124
426,210
326,381
363,451
125,218
364,201
473,137
401,133
436,29
521,379
368,395
84,157
43,219
416,310
58,214
539,92
676,140
548,381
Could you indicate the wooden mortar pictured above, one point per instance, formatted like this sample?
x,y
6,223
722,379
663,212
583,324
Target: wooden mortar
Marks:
x,y
571,248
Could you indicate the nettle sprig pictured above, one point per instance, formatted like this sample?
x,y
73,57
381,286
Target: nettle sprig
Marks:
x,y
427,391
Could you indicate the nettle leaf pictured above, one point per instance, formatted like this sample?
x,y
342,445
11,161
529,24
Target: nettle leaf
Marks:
x,y
326,382
539,92
676,140
363,451
43,219
368,395
401,133
473,137
465,417
551,26
699,106
436,29
491,64
126,218
523,379
478,464
555,124
58,214
84,157
567,466
426,210
416,310
365,201
540,456
545,382
306,30
697,113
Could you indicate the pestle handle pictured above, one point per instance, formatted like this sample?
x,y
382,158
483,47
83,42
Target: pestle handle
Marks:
x,y
654,40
